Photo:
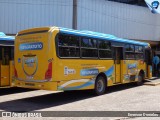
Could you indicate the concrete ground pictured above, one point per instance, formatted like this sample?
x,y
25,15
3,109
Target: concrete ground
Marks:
x,y
127,97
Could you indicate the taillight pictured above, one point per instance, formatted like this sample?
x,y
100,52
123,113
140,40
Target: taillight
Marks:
x,y
48,74
15,73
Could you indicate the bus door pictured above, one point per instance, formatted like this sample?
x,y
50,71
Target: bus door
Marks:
x,y
4,67
148,60
118,53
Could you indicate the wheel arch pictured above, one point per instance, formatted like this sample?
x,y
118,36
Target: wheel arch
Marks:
x,y
103,75
141,72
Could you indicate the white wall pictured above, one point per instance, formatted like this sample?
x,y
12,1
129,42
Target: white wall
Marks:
x,y
122,20
22,14
157,27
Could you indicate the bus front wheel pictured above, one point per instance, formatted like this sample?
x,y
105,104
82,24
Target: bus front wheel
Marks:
x,y
100,86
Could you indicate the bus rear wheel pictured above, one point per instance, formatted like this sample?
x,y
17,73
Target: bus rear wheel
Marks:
x,y
100,85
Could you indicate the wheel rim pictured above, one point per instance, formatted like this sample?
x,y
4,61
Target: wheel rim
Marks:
x,y
100,85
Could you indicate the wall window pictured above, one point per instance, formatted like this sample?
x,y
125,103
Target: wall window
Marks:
x,y
68,46
89,48
104,49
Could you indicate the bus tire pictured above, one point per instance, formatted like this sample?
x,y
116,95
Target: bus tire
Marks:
x,y
100,85
140,79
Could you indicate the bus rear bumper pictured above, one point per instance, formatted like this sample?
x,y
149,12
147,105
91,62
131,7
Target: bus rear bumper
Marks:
x,y
50,85
81,84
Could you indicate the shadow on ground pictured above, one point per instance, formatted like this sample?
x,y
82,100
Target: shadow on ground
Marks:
x,y
55,99
13,90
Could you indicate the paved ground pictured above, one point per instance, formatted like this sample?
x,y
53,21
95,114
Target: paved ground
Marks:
x,y
153,81
118,98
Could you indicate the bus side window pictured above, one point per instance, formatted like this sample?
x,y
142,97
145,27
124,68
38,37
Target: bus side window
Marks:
x,y
68,46
12,53
5,56
104,49
139,52
89,48
0,53
129,51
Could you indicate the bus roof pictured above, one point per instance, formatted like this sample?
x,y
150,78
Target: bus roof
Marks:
x,y
100,36
6,38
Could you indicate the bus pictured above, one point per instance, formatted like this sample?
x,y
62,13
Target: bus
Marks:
x,y
62,59
6,60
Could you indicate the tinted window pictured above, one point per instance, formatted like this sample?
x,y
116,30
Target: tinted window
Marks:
x,y
104,45
93,43
68,46
5,55
129,51
89,53
104,49
86,42
89,47
134,52
129,48
105,54
139,56
129,55
12,53
65,40
138,49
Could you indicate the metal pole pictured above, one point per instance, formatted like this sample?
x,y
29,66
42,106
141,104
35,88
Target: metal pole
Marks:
x,y
74,19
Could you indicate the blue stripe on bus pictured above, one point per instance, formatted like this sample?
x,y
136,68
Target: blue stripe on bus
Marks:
x,y
100,36
89,83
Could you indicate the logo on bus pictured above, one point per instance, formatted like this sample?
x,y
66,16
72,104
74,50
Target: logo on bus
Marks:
x,y
88,72
31,46
30,62
69,71
155,4
131,66
30,65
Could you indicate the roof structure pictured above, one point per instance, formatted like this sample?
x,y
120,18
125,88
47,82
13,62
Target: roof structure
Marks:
x,y
100,36
6,38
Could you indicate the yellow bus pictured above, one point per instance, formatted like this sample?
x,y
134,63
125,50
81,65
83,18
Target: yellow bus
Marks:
x,y
6,60
55,58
